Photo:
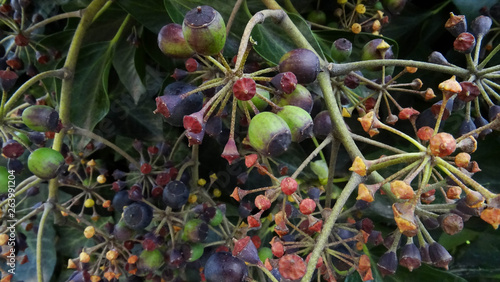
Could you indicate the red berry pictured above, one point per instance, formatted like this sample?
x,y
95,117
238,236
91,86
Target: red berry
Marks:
x,y
292,267
146,168
442,144
262,202
289,185
191,65
244,89
307,206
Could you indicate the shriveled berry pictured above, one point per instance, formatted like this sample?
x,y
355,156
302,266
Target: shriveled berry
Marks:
x,y
469,91
269,134
262,202
442,144
223,266
244,89
299,121
204,30
175,194
303,63
45,163
172,43
451,223
137,216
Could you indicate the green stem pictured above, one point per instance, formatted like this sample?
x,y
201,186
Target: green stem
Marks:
x,y
73,14
448,168
341,69
331,172
59,73
486,60
311,156
39,271
92,135
329,223
67,83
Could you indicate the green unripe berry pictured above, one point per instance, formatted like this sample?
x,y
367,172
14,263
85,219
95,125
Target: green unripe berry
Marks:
x,y
300,97
204,30
264,253
40,118
217,219
341,50
196,251
151,260
45,163
299,121
269,134
258,102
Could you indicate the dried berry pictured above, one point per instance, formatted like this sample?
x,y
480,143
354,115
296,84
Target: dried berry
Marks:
x,y
442,144
456,24
464,43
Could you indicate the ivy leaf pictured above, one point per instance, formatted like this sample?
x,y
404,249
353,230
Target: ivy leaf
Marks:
x,y
273,42
89,98
150,13
471,8
127,65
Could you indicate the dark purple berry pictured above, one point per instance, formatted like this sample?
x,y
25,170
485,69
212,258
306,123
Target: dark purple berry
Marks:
x,y
303,63
121,200
137,215
456,24
410,257
7,79
388,263
174,107
15,165
493,112
481,121
439,255
245,250
481,25
352,81
175,194
285,81
467,126
322,124
223,266
437,58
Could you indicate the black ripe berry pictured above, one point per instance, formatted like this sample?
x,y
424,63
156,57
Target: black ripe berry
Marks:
x,y
175,194
138,215
174,107
223,266
303,63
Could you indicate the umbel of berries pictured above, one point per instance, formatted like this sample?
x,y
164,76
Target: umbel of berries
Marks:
x,y
303,63
172,43
204,30
269,134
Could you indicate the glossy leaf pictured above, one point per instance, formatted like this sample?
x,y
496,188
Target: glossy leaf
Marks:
x,y
150,13
89,99
471,8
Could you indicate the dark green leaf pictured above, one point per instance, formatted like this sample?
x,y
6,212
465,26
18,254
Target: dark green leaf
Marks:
x,y
124,62
471,8
150,13
89,99
273,42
